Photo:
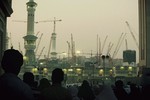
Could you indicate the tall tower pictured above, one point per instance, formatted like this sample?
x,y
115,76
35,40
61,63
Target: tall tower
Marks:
x,y
30,38
53,52
53,39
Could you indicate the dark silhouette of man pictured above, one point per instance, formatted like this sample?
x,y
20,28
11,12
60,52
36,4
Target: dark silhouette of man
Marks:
x,y
85,91
56,91
119,91
11,86
28,78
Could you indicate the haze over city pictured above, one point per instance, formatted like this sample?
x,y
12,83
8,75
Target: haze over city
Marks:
x,y
84,19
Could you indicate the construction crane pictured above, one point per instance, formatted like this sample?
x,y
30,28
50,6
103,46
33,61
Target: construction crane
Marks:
x,y
109,48
132,34
41,53
118,44
121,43
100,51
52,21
104,44
97,40
37,33
126,44
68,50
49,48
23,21
53,38
38,43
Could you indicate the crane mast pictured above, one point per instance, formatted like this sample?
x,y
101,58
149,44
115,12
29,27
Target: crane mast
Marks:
x,y
104,44
68,50
117,47
121,42
132,34
109,48
126,44
49,48
38,43
53,39
41,53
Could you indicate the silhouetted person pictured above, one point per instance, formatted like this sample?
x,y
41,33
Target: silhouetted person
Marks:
x,y
56,91
11,86
145,83
28,78
44,83
119,91
85,91
74,92
135,93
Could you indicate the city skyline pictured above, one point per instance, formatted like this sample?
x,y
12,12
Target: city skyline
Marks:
x,y
84,19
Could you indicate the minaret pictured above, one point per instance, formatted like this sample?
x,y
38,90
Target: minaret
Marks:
x,y
53,52
30,38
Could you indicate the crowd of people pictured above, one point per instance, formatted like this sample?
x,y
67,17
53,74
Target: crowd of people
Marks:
x,y
12,87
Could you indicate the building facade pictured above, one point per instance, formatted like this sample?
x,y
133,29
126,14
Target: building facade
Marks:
x,y
5,11
144,33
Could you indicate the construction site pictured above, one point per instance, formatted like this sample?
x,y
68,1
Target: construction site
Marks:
x,y
77,65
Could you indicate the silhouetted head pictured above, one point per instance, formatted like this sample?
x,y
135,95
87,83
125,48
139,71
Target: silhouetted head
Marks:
x,y
119,83
44,81
85,83
28,78
57,75
12,61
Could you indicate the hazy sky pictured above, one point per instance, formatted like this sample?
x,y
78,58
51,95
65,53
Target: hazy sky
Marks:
x,y
82,18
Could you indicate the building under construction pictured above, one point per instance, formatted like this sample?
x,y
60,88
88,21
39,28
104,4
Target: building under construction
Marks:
x,y
99,64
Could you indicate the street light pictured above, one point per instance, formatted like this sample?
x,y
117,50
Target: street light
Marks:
x,y
104,57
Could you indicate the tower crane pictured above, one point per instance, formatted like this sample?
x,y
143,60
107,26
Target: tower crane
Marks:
x,y
68,50
132,34
53,39
23,21
37,33
109,48
52,21
126,44
104,43
100,51
49,48
121,42
121,38
38,43
41,53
